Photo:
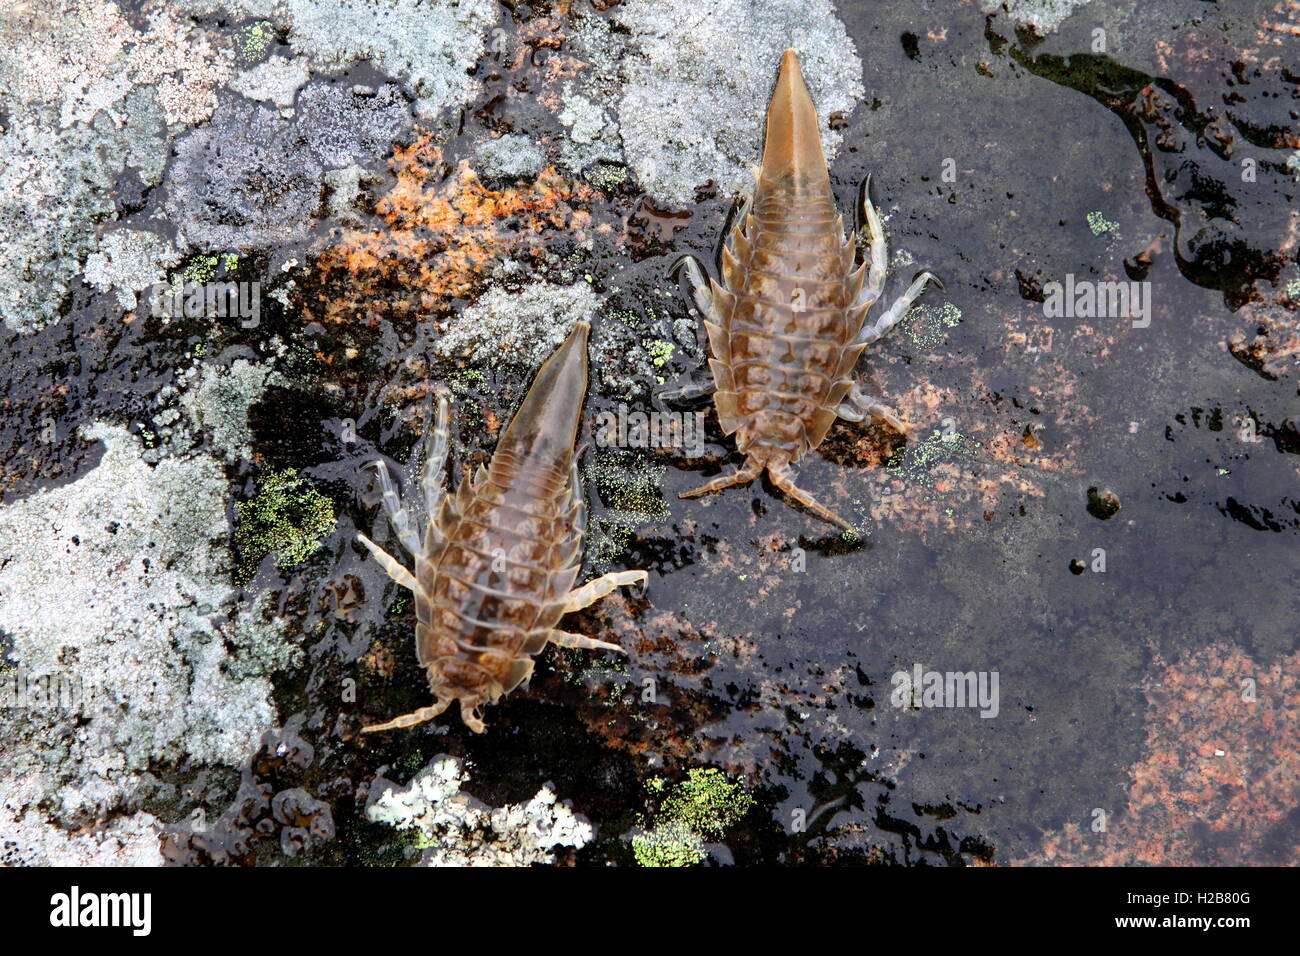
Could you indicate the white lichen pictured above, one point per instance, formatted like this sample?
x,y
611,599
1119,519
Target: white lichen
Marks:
x,y
1045,16
117,586
130,261
693,85
518,328
456,829
220,401
275,81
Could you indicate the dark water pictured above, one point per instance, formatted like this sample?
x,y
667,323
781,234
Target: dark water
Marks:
x,y
770,639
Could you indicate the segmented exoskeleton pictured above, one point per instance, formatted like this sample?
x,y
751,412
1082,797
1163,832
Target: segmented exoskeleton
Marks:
x,y
495,568
787,323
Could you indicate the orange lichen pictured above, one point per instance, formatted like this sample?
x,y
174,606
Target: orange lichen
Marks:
x,y
1272,344
444,228
1219,775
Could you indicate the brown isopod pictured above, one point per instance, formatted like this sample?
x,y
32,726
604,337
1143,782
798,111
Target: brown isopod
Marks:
x,y
787,323
495,568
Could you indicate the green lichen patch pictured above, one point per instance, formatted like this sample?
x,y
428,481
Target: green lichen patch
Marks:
x,y
203,268
1099,224
607,176
698,809
631,488
926,325
660,351
918,461
253,40
668,844
287,516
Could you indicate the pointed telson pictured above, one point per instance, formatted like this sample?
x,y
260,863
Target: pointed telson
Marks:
x,y
792,149
546,422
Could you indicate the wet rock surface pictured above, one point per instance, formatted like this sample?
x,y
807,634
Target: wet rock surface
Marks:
x,y
1098,509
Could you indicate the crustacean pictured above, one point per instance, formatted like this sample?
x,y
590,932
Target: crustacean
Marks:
x,y
497,560
787,322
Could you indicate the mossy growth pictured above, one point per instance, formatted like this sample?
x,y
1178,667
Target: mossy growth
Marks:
x,y
698,809
287,516
926,325
252,41
1100,224
631,487
918,460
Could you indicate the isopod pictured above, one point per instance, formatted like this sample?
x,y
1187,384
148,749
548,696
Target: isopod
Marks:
x,y
787,323
495,568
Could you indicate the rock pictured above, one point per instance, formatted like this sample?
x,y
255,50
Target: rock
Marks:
x,y
695,88
128,642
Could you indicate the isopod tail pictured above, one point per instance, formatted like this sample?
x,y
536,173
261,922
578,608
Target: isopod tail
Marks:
x,y
545,426
792,149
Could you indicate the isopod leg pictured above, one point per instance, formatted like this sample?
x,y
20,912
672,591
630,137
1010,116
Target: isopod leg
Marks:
x,y
739,218
569,639
694,388
435,461
877,250
747,472
699,283
390,564
471,719
398,515
783,480
896,311
579,500
410,720
594,590
859,405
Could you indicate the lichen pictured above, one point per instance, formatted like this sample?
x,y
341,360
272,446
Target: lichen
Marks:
x,y
129,261
660,351
1099,224
432,46
631,488
518,328
925,325
699,809
122,585
919,460
220,401
288,516
252,40
607,176
513,156
452,828
1045,16
665,54
444,234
